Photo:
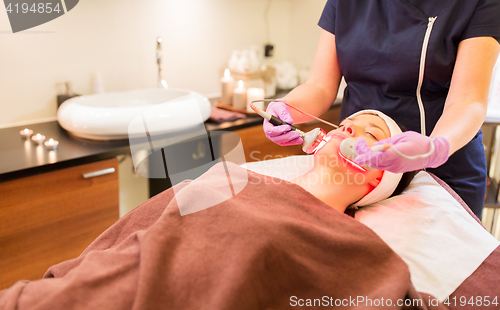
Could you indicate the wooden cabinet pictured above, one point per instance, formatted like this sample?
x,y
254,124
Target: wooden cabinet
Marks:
x,y
52,217
257,147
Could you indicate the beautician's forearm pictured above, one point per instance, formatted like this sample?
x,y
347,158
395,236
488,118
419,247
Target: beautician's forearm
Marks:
x,y
466,103
460,124
309,98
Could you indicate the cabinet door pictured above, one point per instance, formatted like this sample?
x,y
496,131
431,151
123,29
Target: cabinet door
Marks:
x,y
52,217
188,158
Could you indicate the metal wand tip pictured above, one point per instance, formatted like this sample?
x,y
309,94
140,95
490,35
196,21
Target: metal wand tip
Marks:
x,y
254,107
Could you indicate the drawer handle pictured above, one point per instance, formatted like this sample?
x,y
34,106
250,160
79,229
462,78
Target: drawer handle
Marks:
x,y
98,173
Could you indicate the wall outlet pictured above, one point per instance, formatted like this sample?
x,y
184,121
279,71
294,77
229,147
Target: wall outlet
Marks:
x,y
268,50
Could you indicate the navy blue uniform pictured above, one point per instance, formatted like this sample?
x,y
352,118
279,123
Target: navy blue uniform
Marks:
x,y
379,45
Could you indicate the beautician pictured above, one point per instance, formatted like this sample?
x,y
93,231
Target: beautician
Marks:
x,y
425,63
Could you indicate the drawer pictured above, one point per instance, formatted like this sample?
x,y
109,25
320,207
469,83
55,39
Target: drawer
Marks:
x,y
54,216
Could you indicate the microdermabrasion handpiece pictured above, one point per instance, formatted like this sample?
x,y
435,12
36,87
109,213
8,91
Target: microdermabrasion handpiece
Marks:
x,y
312,139
348,150
273,119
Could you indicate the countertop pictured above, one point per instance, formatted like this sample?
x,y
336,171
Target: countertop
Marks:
x,y
21,157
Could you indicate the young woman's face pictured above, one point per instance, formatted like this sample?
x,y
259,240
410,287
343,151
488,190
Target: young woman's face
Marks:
x,y
370,127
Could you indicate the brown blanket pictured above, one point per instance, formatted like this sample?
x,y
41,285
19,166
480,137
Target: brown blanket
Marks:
x,y
272,246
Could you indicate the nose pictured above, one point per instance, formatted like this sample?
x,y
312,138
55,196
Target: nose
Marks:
x,y
348,128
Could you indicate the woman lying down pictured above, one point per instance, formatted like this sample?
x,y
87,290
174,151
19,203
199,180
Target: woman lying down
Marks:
x,y
274,245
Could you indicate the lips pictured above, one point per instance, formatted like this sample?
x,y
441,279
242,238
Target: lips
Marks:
x,y
327,139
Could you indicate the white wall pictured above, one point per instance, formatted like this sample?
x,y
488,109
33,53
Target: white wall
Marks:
x,y
304,34
117,38
304,31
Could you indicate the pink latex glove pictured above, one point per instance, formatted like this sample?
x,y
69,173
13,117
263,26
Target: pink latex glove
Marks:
x,y
409,143
281,134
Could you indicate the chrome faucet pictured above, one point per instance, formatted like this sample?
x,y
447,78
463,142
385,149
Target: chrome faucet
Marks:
x,y
161,81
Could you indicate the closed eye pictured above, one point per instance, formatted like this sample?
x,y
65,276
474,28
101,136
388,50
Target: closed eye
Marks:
x,y
372,135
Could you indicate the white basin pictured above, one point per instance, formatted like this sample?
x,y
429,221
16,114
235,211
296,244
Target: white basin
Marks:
x,y
108,116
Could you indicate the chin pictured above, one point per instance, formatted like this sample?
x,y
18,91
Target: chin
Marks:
x,y
328,153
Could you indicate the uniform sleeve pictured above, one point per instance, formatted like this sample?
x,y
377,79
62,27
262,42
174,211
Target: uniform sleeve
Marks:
x,y
327,19
485,22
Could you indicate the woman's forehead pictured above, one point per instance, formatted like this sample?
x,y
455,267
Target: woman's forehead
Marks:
x,y
372,118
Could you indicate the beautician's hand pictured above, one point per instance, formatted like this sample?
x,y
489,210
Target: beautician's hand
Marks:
x,y
409,143
282,134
